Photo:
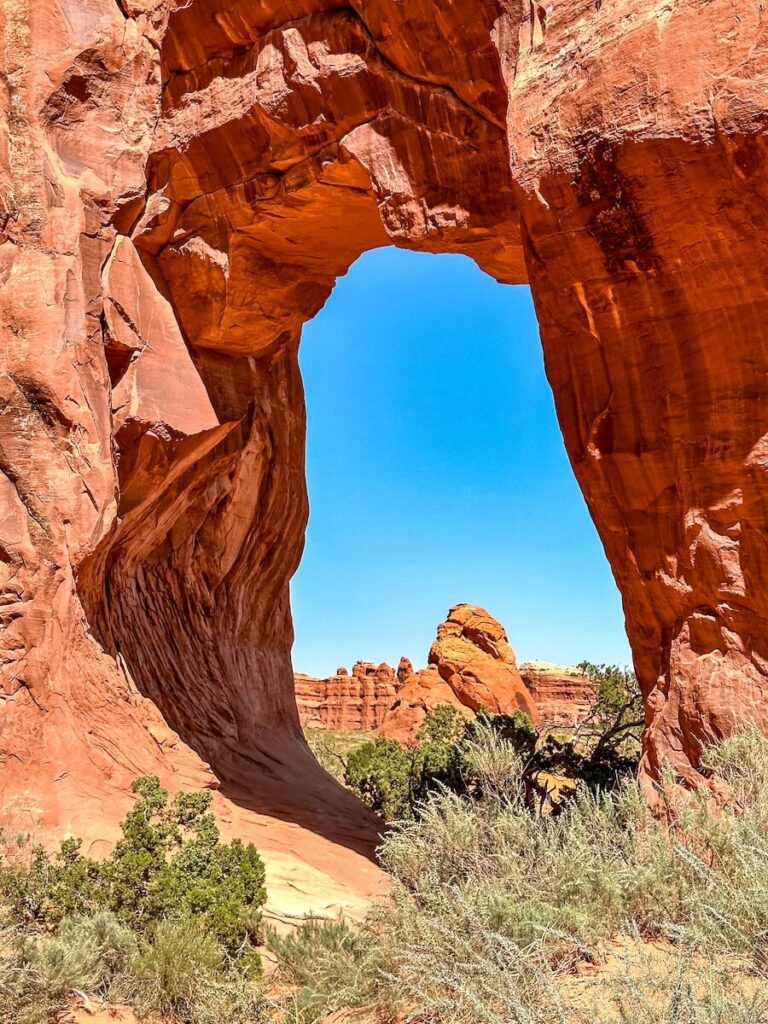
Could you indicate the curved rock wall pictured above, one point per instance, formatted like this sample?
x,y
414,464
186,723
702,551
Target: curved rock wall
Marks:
x,y
180,185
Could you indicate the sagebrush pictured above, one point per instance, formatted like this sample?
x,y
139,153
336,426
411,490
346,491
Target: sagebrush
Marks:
x,y
494,907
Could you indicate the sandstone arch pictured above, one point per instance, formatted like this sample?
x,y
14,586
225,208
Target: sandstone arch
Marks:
x,y
181,183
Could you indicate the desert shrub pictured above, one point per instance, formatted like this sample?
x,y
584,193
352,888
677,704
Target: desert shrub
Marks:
x,y
177,973
728,853
598,754
394,780
740,762
183,974
676,988
379,772
609,738
492,904
328,964
169,863
176,970
39,975
332,747
494,756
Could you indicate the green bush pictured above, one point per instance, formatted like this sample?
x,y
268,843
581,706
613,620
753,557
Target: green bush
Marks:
x,y
332,747
170,863
169,921
393,779
598,754
379,772
327,964
175,971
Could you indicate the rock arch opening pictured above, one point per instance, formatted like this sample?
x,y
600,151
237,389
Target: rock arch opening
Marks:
x,y
436,474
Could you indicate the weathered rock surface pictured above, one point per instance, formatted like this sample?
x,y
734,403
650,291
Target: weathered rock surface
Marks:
x,y
471,666
344,701
244,154
562,696
422,692
468,680
472,654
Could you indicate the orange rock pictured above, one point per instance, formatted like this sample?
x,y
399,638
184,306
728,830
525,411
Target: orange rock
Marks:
x,y
421,693
404,670
473,656
562,696
472,666
343,701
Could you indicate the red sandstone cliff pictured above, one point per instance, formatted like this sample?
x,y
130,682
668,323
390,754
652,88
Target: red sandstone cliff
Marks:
x,y
360,701
180,185
562,695
344,701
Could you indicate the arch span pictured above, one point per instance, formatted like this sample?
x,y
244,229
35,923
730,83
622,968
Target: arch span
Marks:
x,y
185,183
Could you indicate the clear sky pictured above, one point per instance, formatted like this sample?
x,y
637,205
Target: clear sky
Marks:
x,y
437,474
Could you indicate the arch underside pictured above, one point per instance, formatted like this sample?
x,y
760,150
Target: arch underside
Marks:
x,y
279,142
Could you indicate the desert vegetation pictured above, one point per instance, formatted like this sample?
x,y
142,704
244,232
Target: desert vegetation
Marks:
x,y
601,912
505,908
169,922
332,747
395,780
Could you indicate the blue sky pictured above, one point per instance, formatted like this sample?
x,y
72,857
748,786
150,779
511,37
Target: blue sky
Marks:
x,y
437,474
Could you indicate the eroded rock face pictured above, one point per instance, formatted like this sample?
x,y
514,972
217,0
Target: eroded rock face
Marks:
x,y
562,695
421,693
346,701
180,185
471,667
472,654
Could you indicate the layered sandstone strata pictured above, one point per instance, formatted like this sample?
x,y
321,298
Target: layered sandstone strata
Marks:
x,y
346,701
180,185
361,700
563,696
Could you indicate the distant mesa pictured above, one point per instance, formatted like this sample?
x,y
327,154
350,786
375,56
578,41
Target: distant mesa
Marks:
x,y
471,665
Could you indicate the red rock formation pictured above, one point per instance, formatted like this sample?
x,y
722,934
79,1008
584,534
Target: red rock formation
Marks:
x,y
344,701
461,675
421,693
404,670
562,696
472,654
471,666
180,185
